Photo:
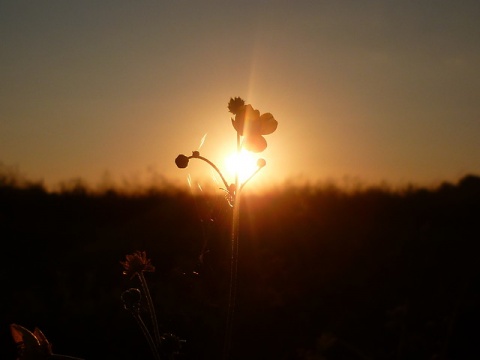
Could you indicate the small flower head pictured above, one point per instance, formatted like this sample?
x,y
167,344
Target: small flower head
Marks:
x,y
182,161
131,299
235,105
136,263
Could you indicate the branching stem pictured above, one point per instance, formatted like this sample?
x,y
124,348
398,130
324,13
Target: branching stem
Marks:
x,y
198,156
234,191
146,333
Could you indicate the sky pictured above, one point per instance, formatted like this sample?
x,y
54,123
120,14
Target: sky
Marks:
x,y
111,92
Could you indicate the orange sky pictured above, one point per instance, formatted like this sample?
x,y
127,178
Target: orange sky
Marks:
x,y
113,91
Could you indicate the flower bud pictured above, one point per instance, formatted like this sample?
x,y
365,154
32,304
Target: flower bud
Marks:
x,y
182,161
261,163
131,299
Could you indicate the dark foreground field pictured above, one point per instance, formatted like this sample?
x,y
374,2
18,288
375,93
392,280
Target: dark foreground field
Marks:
x,y
323,274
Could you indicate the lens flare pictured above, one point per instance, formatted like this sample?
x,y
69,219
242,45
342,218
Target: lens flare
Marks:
x,y
244,163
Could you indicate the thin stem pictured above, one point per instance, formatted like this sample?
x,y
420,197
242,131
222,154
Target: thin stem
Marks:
x,y
151,308
213,166
233,263
251,176
147,335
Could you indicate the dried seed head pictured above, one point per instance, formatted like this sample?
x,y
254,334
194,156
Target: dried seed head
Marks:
x,y
136,263
235,105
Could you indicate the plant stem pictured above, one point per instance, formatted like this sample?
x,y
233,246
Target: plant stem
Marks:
x,y
250,177
147,335
234,262
151,308
213,166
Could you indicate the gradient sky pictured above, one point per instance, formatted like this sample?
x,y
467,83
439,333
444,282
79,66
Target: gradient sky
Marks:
x,y
115,90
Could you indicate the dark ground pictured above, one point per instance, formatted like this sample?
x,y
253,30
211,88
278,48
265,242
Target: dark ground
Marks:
x,y
323,274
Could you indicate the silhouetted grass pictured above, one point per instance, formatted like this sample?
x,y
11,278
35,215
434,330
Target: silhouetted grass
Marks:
x,y
374,273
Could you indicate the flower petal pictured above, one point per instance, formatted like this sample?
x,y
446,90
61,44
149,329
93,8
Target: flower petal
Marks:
x,y
255,143
238,125
268,124
245,120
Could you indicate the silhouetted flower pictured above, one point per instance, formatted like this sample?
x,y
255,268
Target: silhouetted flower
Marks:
x,y
249,123
182,161
131,299
136,263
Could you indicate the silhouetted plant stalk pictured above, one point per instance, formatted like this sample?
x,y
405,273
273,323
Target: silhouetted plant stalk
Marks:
x,y
250,127
131,302
151,308
135,265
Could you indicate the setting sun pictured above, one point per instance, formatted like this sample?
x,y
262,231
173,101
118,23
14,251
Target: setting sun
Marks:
x,y
245,163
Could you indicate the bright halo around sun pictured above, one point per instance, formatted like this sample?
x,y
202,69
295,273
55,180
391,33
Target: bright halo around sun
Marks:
x,y
245,163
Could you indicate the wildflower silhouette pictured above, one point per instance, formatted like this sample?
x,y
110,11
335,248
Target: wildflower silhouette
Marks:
x,y
251,127
249,123
135,265
131,302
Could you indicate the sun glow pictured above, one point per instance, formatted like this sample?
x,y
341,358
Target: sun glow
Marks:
x,y
245,163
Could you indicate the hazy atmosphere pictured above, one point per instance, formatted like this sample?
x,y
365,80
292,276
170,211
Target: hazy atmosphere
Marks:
x,y
112,91
348,230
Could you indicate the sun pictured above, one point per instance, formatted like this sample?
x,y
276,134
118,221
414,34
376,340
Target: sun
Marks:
x,y
245,163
